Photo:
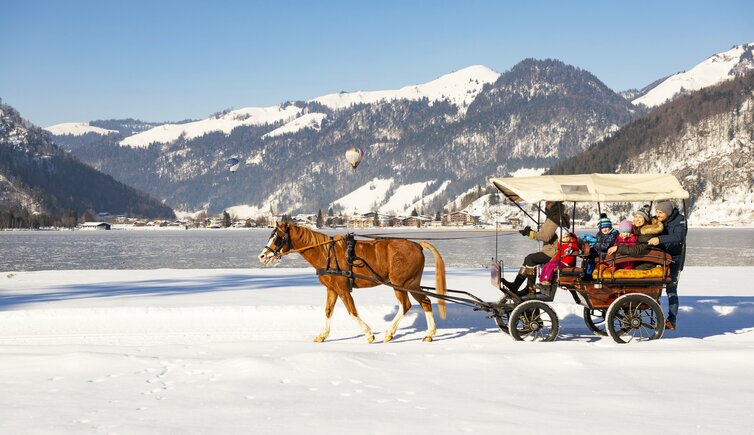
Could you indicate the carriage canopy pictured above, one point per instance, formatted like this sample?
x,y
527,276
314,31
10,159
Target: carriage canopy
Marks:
x,y
592,188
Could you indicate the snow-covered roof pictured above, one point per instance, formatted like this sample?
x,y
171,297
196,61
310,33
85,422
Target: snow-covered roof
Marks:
x,y
592,188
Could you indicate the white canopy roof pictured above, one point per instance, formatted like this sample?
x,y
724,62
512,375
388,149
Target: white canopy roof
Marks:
x,y
592,188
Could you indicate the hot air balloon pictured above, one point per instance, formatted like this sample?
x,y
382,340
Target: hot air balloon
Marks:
x,y
232,164
354,156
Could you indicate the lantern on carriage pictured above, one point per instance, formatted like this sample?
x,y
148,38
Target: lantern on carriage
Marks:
x,y
354,156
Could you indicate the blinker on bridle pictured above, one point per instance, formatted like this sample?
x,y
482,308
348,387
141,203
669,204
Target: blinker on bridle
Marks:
x,y
280,242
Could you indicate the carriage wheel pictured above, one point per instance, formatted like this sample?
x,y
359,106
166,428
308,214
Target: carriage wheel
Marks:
x,y
595,321
533,321
503,313
635,317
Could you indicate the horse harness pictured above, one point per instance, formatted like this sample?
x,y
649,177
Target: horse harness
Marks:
x,y
284,241
351,260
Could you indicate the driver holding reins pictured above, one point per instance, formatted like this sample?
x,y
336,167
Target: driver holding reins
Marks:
x,y
548,234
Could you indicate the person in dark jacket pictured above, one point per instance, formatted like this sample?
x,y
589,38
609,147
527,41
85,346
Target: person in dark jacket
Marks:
x,y
599,243
672,240
548,234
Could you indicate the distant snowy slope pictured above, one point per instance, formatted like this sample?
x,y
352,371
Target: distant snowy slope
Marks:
x,y
77,129
404,197
715,69
459,87
225,123
366,198
310,120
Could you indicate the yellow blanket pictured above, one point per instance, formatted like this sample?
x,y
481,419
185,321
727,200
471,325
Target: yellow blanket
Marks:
x,y
604,272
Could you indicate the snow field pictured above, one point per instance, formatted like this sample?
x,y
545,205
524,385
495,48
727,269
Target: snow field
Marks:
x,y
231,351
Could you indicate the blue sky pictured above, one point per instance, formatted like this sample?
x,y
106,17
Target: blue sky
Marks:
x,y
172,60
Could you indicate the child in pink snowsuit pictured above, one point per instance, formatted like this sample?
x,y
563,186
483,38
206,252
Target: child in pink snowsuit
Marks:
x,y
568,248
626,237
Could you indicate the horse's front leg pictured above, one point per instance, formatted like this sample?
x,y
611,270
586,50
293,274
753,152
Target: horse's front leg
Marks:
x,y
332,297
345,296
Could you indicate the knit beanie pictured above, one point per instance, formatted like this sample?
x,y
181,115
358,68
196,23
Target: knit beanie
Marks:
x,y
665,207
604,223
625,226
643,213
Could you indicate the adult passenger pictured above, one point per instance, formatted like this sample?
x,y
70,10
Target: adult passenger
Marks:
x,y
645,227
548,234
673,241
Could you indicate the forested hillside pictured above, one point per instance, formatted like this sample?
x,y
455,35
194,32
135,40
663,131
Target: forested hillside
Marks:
x,y
705,138
37,176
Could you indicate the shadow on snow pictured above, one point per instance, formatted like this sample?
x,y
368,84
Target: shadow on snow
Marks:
x,y
160,287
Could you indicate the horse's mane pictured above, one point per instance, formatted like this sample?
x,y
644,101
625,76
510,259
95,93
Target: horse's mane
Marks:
x,y
308,236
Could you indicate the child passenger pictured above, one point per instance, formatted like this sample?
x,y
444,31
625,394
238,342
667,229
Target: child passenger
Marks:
x,y
626,237
568,248
600,242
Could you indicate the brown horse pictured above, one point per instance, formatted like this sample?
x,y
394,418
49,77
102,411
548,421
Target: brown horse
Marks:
x,y
397,261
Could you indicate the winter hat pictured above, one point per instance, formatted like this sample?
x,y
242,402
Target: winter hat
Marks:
x,y
643,213
665,207
625,226
604,222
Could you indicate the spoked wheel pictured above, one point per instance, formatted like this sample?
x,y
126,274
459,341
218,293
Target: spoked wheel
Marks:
x,y
502,314
635,317
533,321
595,320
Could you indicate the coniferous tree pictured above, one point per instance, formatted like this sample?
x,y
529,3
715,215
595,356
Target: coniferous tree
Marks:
x,y
320,219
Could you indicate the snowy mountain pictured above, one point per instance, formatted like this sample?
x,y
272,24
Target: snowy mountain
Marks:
x,y
459,88
715,69
435,141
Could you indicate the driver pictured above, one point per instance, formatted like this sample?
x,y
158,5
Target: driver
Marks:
x,y
556,217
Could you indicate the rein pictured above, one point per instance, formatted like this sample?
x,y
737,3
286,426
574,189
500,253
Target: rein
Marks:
x,y
385,237
293,251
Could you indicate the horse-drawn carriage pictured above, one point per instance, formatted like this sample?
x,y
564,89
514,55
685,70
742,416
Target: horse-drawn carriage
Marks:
x,y
624,306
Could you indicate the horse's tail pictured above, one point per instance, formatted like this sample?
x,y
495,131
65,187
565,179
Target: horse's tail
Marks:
x,y
439,275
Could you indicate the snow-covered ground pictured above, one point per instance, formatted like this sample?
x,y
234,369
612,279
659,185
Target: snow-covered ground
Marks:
x,y
231,351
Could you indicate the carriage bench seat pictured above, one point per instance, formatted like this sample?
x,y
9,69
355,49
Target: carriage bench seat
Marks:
x,y
658,273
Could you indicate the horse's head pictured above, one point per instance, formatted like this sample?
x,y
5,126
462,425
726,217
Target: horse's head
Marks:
x,y
278,244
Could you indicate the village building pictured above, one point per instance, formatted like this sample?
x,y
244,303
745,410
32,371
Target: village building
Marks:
x,y
95,226
462,218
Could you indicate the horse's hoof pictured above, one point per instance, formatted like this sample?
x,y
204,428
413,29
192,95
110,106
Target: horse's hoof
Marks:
x,y
427,339
319,339
370,339
387,338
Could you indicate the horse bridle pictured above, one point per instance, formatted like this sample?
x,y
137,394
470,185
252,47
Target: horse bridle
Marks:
x,y
280,241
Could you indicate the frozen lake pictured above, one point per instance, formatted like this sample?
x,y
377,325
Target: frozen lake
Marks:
x,y
213,249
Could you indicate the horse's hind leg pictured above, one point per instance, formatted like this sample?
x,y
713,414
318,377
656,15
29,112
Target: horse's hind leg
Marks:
x,y
426,304
332,297
402,310
345,296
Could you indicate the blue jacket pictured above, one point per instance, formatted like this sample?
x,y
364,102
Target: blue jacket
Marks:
x,y
673,237
605,241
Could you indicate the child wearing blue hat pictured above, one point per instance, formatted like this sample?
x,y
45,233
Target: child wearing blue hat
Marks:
x,y
600,242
